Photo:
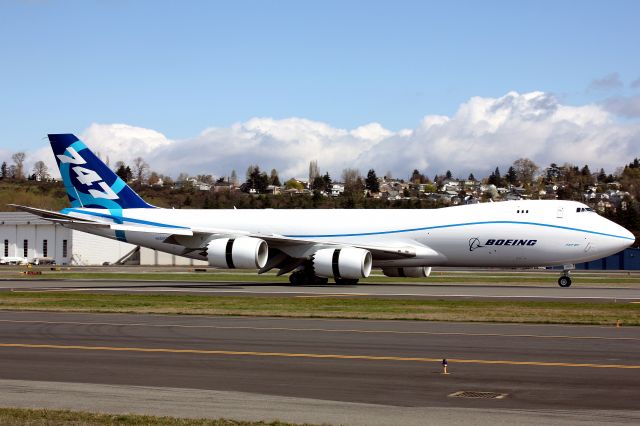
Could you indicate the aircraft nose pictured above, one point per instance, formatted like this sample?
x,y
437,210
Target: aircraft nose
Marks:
x,y
627,238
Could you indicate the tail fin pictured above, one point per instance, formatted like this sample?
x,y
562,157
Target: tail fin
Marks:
x,y
88,181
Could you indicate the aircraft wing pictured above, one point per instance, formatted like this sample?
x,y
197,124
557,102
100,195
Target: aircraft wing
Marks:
x,y
74,222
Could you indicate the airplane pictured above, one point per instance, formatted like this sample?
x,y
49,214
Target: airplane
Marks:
x,y
344,245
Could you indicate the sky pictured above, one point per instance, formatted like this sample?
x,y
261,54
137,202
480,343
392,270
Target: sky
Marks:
x,y
207,87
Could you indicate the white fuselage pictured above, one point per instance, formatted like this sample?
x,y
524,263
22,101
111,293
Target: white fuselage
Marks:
x,y
507,234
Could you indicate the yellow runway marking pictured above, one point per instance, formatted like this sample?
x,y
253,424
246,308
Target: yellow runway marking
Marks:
x,y
323,330
317,356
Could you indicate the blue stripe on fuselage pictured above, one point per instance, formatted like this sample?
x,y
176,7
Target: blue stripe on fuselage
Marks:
x,y
427,228
365,234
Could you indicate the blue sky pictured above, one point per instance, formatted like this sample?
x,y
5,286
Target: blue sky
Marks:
x,y
180,67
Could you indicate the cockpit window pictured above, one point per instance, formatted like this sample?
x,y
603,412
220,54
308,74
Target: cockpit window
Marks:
x,y
584,209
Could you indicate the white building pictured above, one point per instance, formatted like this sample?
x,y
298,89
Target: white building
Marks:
x,y
30,237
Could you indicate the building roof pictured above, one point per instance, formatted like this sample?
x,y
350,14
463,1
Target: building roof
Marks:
x,y
20,218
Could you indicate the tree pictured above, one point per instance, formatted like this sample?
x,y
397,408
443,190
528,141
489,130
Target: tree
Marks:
x,y
602,176
352,182
124,172
140,169
448,174
256,180
318,184
274,179
234,178
208,179
525,170
417,177
18,159
293,184
314,172
495,178
471,177
585,171
40,170
328,184
3,170
371,182
511,176
154,178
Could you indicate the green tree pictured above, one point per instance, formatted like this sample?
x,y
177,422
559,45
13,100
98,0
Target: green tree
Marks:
x,y
274,179
511,176
371,182
294,184
256,179
328,184
495,178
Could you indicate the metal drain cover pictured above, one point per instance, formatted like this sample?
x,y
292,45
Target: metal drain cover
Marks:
x,y
478,395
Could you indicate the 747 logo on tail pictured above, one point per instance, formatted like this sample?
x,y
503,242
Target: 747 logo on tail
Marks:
x,y
86,176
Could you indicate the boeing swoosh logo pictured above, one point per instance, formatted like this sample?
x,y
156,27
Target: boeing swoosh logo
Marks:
x,y
474,243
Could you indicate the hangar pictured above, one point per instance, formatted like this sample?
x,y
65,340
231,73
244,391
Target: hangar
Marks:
x,y
26,236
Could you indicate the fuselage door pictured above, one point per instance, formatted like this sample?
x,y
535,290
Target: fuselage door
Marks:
x,y
560,212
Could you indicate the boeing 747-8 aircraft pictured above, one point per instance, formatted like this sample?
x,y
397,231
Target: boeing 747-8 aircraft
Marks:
x,y
315,245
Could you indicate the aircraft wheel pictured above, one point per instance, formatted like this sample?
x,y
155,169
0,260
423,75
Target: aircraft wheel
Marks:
x,y
294,278
564,281
345,281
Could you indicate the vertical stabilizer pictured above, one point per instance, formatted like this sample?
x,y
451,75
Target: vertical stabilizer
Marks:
x,y
89,182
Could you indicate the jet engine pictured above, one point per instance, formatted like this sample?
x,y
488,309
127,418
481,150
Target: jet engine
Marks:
x,y
241,252
409,272
348,263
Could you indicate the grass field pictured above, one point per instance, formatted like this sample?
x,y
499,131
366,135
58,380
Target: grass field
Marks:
x,y
29,417
549,312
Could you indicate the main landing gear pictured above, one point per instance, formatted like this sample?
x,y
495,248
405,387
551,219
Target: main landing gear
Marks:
x,y
305,275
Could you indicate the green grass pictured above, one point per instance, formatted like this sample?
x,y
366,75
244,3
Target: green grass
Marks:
x,y
29,417
550,312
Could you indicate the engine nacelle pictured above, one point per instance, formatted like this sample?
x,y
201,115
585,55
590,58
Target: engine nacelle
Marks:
x,y
349,262
241,252
408,272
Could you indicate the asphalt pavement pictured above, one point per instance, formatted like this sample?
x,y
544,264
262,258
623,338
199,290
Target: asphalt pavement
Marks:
x,y
608,293
351,368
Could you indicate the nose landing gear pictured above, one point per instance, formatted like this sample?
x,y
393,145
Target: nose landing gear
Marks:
x,y
565,279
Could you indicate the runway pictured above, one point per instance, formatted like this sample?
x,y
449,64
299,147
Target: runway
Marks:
x,y
405,291
326,363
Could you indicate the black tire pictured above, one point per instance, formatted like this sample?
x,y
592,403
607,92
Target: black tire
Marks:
x,y
564,281
294,278
345,281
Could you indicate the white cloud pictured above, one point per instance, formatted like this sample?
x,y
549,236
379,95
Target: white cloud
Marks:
x,y
482,134
624,106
